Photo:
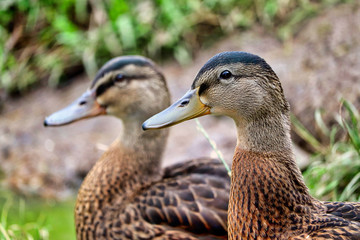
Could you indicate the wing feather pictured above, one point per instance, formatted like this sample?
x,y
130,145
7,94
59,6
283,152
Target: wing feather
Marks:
x,y
192,196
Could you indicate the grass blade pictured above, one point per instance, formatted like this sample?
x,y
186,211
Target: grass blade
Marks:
x,y
350,188
305,134
352,128
213,145
320,123
3,231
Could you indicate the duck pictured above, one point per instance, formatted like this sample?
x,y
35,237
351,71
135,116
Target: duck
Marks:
x,y
268,197
127,194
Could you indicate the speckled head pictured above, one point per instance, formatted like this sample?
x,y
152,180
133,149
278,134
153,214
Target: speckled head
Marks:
x,y
237,84
241,81
125,87
230,58
118,63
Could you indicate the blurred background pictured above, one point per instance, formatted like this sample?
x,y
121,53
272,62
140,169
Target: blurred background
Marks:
x,y
51,50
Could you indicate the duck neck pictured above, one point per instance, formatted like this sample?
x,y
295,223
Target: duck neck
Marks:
x,y
141,151
131,162
264,134
267,189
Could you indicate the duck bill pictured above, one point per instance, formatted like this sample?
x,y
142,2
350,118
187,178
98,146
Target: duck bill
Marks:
x,y
187,107
85,106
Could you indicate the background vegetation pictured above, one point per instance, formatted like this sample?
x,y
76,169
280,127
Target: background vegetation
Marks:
x,y
46,42
334,170
35,219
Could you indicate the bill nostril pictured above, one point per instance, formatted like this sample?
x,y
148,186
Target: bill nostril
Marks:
x,y
82,103
184,103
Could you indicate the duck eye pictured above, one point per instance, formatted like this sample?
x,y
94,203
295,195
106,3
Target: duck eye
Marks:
x,y
118,78
225,74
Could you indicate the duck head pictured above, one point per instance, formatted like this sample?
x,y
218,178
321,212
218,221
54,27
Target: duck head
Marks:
x,y
125,87
236,84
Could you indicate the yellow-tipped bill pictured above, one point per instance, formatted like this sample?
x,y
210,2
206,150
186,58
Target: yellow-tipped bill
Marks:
x,y
187,107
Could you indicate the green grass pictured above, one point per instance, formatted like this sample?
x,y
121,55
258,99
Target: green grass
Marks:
x,y
334,170
44,41
35,218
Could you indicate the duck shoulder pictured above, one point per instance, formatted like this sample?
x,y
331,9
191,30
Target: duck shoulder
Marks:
x,y
347,210
330,227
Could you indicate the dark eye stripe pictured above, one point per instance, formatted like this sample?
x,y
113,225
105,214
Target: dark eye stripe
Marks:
x,y
103,87
203,88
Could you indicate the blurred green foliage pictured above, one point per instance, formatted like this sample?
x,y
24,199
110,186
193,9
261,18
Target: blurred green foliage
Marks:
x,y
334,170
44,41
35,218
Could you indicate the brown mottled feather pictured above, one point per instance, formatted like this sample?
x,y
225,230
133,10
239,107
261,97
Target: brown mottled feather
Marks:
x,y
195,198
271,206
347,210
192,197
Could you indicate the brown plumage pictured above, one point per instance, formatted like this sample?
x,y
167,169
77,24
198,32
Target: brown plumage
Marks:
x,y
268,197
127,195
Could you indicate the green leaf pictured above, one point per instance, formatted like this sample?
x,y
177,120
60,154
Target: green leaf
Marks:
x,y
305,134
352,127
